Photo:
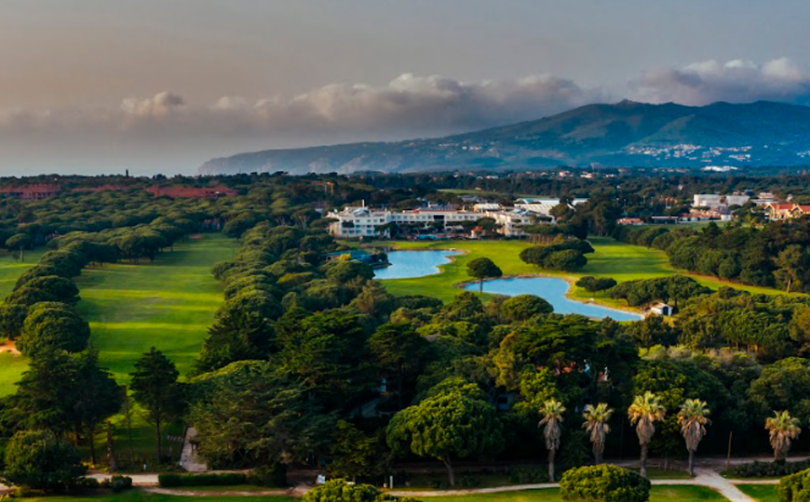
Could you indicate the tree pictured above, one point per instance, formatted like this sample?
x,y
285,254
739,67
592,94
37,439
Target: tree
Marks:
x,y
792,264
19,241
99,396
155,387
248,414
41,461
551,411
596,425
352,452
523,307
693,419
481,269
400,353
644,412
782,429
456,424
604,483
50,326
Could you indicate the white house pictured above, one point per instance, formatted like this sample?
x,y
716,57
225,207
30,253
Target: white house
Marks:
x,y
661,309
706,200
360,222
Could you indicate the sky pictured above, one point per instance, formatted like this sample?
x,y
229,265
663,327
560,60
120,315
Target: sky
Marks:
x,y
161,86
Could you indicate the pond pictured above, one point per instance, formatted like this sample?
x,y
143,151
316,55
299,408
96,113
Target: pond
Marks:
x,y
409,264
553,290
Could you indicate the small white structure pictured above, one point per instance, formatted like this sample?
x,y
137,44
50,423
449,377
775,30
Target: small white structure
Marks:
x,y
661,309
706,200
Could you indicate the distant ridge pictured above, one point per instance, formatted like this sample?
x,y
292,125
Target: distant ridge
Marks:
x,y
621,134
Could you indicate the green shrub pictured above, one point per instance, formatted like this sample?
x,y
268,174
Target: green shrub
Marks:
x,y
768,469
118,484
794,488
275,476
338,490
41,461
227,479
604,483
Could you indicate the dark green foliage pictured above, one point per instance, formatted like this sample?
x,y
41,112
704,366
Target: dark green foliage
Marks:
x,y
777,469
568,255
593,285
53,326
39,460
287,423
178,480
603,483
118,483
676,288
524,307
48,288
338,490
456,423
155,387
12,318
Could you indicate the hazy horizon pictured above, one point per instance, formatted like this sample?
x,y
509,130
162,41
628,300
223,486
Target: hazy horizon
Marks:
x,y
163,86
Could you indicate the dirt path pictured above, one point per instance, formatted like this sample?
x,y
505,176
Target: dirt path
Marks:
x,y
9,347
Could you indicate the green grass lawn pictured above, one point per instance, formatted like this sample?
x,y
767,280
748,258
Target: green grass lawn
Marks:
x,y
674,493
12,367
141,496
623,262
760,493
168,304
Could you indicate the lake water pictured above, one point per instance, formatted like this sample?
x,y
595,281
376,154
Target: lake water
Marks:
x,y
553,290
408,264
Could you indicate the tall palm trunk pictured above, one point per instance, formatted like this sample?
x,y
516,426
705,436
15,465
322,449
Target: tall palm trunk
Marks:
x,y
691,462
643,470
551,465
597,453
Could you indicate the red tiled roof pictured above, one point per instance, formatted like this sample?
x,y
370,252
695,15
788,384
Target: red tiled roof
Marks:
x,y
191,192
31,189
782,207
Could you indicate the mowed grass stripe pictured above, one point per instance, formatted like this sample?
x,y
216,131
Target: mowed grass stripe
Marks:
x,y
168,304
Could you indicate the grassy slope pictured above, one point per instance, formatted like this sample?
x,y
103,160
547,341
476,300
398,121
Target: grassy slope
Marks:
x,y
674,493
141,496
168,304
760,493
11,269
623,262
658,494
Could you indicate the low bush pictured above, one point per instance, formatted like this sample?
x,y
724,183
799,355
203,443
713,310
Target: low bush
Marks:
x,y
604,483
338,490
176,480
527,476
118,484
768,469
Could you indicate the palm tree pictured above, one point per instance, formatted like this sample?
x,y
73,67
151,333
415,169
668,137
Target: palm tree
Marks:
x,y
596,424
643,413
693,419
783,429
552,411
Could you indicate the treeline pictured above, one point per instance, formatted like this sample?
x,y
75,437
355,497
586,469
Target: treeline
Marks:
x,y
774,255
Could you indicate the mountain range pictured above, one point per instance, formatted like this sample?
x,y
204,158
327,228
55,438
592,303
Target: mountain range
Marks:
x,y
621,134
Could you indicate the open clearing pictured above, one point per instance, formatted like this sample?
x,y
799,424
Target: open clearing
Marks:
x,y
671,493
760,493
168,304
623,262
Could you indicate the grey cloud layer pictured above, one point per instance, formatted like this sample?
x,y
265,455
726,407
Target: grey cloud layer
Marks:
x,y
409,105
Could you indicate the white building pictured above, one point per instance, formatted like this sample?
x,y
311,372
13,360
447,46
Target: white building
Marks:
x,y
543,206
359,222
737,200
706,200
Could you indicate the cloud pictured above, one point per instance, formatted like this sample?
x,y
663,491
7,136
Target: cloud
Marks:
x,y
408,105
735,81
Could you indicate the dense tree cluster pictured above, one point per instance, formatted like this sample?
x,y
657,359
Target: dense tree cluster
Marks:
x,y
773,255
